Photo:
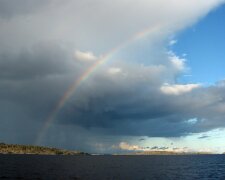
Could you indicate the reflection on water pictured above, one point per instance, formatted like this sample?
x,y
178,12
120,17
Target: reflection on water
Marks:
x,y
112,167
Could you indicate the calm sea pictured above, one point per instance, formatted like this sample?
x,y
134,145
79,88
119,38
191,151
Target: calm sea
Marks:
x,y
112,167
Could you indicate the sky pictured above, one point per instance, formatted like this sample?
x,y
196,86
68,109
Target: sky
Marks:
x,y
208,35
113,76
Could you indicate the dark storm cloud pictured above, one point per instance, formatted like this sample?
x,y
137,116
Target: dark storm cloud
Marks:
x,y
150,113
33,73
159,148
33,81
154,147
40,61
163,148
203,137
126,100
10,8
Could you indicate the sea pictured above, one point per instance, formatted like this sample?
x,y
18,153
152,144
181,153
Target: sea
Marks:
x,y
109,167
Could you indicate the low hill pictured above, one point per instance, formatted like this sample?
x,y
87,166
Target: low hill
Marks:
x,y
29,149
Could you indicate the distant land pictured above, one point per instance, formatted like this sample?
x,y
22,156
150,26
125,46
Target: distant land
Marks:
x,y
41,150
30,149
168,153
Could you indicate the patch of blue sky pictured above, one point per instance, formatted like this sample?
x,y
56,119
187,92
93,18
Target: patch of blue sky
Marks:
x,y
203,45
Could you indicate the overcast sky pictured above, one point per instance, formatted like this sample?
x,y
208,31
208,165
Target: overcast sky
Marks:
x,y
111,76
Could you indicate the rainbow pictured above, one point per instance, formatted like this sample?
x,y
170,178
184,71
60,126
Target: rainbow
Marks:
x,y
72,89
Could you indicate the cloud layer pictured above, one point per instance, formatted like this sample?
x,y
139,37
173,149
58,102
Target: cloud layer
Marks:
x,y
48,45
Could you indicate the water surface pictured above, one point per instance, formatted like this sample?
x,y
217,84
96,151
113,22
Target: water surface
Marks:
x,y
112,167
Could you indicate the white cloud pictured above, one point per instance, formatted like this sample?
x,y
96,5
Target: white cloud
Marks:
x,y
100,25
177,62
85,56
126,146
192,121
178,89
114,70
172,42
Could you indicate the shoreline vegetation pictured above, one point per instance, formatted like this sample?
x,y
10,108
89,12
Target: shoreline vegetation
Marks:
x,y
39,150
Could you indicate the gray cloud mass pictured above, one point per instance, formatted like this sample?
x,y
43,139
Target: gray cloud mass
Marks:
x,y
121,98
12,8
129,106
